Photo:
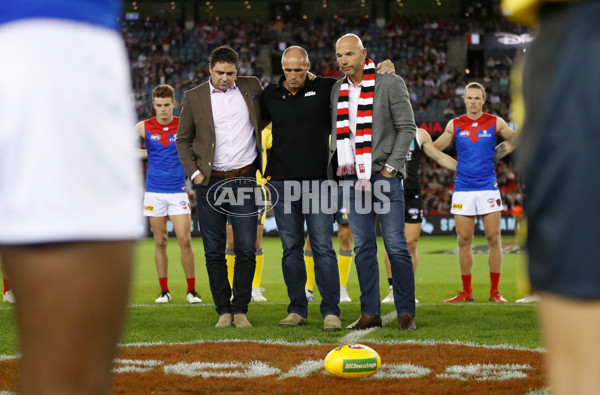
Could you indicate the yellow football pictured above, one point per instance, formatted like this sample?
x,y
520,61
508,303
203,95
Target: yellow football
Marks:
x,y
352,361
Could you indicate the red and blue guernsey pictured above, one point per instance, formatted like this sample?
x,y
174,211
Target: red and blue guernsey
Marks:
x,y
165,173
97,12
475,142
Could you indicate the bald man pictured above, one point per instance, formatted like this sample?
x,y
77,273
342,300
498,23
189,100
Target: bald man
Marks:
x,y
296,166
372,128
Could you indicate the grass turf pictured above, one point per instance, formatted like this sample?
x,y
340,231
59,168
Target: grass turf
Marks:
x,y
438,278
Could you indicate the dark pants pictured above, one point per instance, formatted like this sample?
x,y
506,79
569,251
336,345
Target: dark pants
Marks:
x,y
233,198
290,217
386,201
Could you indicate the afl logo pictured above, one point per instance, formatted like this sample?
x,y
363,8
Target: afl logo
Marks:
x,y
464,133
155,137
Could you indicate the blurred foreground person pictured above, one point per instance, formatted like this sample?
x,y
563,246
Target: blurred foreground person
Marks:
x,y
69,188
561,164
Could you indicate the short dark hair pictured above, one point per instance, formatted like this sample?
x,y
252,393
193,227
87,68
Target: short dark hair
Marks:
x,y
224,54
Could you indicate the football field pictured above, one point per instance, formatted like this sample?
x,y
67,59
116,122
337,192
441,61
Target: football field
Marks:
x,y
482,325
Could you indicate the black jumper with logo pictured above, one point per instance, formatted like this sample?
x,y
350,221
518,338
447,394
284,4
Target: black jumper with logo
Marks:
x,y
301,129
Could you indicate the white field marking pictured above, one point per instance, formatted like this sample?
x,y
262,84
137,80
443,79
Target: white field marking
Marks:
x,y
317,343
135,365
305,369
486,372
8,393
541,391
355,336
401,371
456,343
208,369
267,342
4,357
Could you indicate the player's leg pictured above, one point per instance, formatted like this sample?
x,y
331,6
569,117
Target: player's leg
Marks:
x,y
182,225
257,295
230,254
8,295
344,257
161,260
464,231
573,362
90,282
388,269
309,262
412,233
491,225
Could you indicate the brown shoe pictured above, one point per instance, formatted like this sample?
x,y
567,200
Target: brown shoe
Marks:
x,y
240,321
365,322
224,321
406,323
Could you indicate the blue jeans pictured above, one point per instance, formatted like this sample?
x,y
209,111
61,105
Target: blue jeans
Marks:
x,y
386,201
213,211
290,224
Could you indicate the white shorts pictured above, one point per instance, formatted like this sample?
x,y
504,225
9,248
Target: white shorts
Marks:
x,y
476,202
68,164
163,204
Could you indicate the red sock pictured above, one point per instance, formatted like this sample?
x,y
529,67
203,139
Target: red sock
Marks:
x,y
164,283
191,283
494,279
466,280
6,286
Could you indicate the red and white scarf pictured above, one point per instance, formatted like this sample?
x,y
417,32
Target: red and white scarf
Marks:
x,y
364,122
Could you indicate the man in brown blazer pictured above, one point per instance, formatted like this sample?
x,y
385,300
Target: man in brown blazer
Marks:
x,y
219,145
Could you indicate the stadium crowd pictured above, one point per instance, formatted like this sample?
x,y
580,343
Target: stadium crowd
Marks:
x,y
167,53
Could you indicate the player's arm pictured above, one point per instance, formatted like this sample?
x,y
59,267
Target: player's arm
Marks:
x,y
431,151
511,139
442,142
140,130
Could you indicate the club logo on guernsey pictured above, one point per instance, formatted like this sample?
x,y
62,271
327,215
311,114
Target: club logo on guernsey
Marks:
x,y
311,93
484,133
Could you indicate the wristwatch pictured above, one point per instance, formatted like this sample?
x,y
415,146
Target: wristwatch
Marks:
x,y
391,170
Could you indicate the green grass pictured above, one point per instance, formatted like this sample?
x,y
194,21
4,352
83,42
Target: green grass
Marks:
x,y
438,278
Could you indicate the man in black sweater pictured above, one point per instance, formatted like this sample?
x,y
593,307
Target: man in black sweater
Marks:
x,y
297,168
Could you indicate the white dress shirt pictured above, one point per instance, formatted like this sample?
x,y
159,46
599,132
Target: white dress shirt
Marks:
x,y
235,145
235,142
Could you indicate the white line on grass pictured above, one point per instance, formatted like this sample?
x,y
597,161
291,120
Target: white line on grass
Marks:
x,y
355,336
316,342
4,357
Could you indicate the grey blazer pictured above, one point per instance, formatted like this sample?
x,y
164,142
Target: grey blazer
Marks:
x,y
393,127
196,132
